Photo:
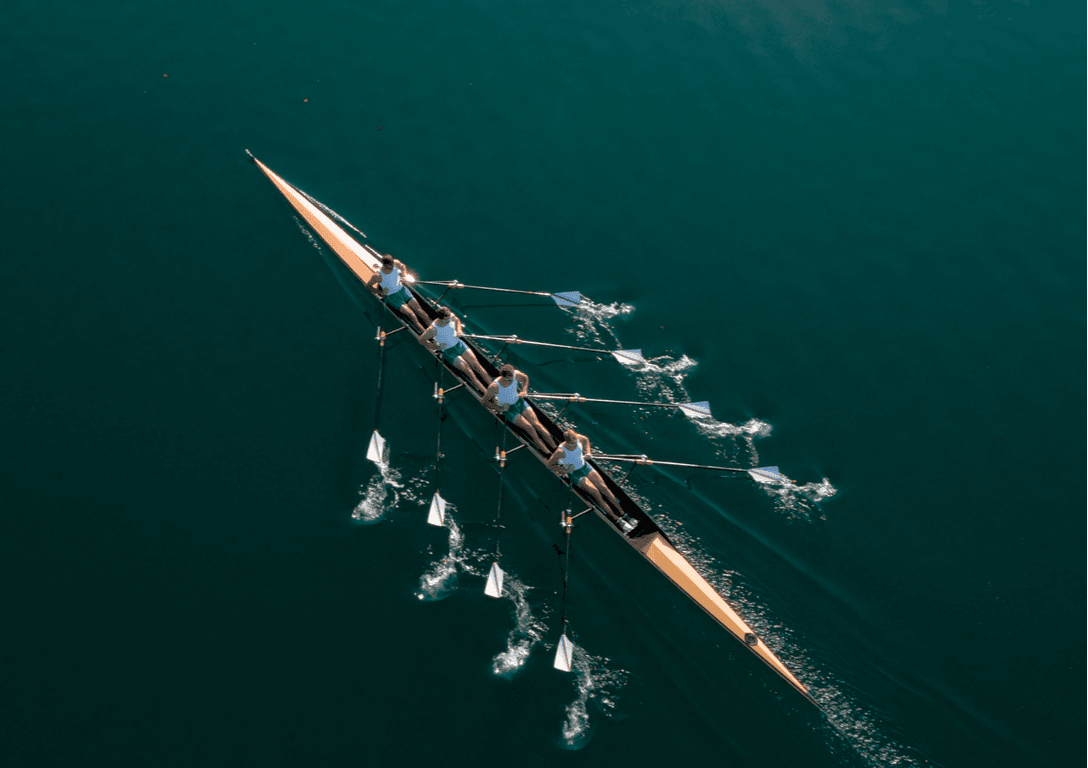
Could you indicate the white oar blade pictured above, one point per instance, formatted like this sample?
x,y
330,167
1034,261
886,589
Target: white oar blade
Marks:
x,y
696,410
629,356
769,475
568,299
564,654
494,581
437,513
377,451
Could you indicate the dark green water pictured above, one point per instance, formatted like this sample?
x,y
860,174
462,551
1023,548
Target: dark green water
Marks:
x,y
863,224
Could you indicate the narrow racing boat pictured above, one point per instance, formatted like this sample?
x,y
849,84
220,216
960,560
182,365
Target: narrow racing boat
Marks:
x,y
639,530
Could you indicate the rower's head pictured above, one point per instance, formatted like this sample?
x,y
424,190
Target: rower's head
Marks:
x,y
506,373
571,437
387,261
444,315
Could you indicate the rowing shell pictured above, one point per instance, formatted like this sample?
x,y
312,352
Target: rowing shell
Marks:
x,y
646,536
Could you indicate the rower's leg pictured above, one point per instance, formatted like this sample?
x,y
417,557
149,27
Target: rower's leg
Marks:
x,y
528,426
475,363
598,482
416,315
534,420
586,485
463,366
410,316
478,371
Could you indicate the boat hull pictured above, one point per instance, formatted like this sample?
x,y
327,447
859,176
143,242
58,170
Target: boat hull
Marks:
x,y
646,537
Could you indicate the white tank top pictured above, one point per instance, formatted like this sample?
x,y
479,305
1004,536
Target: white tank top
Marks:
x,y
507,395
391,282
446,335
574,458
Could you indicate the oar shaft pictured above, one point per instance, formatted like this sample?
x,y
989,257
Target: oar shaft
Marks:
x,y
381,371
438,445
650,462
516,340
498,509
456,284
575,398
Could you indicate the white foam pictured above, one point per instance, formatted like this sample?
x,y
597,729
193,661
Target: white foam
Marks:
x,y
375,502
591,321
799,502
440,578
597,684
527,632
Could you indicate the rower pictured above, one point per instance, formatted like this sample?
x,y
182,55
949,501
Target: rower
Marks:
x,y
388,284
504,398
569,460
443,336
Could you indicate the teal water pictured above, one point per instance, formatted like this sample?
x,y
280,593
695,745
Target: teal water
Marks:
x,y
856,229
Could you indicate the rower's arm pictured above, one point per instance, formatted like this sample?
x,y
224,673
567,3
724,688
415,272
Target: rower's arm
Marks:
x,y
554,460
491,394
428,334
586,450
523,380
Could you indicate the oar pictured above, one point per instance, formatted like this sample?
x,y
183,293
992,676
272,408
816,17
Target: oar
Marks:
x,y
759,474
436,515
493,588
378,450
564,651
625,356
702,408
564,299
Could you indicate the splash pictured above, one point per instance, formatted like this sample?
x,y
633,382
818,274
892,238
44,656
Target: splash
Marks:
x,y
819,491
750,429
591,321
799,502
440,578
598,685
527,632
375,502
663,376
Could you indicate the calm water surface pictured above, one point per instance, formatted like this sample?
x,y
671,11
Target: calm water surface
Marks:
x,y
856,229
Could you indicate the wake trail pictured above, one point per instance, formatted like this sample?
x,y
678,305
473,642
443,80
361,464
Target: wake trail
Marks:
x,y
849,721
